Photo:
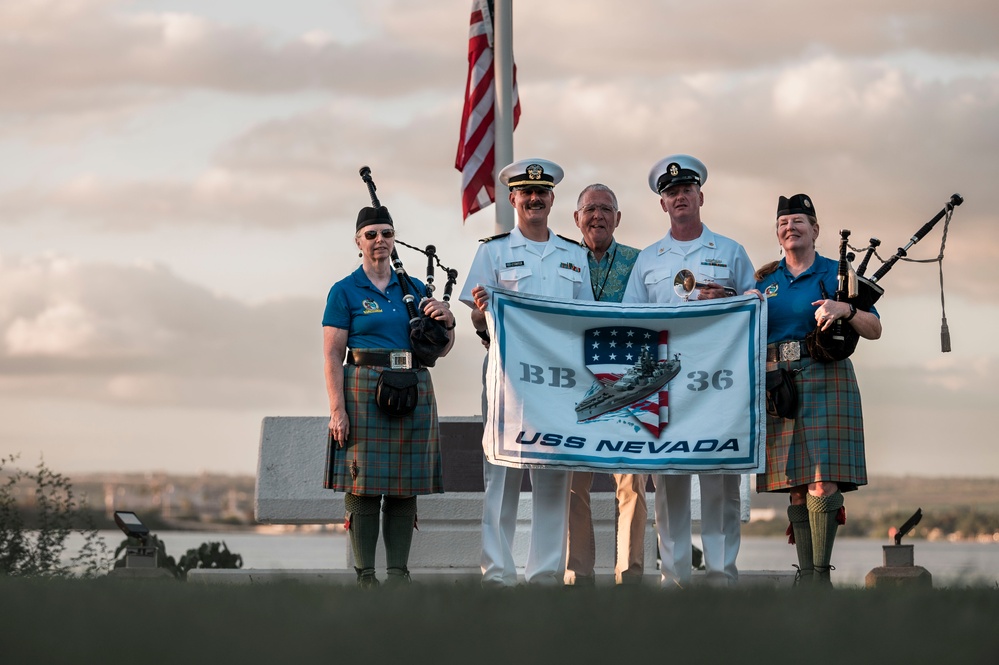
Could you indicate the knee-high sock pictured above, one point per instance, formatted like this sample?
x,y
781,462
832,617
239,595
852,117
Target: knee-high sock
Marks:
x,y
362,513
397,530
822,518
801,528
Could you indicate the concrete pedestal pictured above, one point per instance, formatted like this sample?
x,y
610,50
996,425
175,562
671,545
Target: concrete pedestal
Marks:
x,y
141,573
899,569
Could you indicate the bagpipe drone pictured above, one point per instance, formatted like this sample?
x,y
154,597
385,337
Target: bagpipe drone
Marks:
x,y
427,336
839,340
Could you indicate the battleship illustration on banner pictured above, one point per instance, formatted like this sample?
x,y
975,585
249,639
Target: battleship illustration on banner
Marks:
x,y
645,377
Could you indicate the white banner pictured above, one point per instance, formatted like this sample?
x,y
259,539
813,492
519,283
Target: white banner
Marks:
x,y
609,387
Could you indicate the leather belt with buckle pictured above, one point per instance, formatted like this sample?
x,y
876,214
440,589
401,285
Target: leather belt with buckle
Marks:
x,y
391,359
786,351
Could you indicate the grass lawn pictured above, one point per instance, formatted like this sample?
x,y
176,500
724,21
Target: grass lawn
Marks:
x,y
163,621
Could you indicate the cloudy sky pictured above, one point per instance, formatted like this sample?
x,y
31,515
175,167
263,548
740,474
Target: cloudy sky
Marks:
x,y
178,188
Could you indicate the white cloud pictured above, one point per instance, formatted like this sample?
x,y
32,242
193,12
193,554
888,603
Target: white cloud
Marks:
x,y
138,333
97,58
181,31
831,88
61,329
317,38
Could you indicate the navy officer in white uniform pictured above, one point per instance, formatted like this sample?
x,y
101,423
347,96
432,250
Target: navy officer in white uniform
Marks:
x,y
717,262
530,259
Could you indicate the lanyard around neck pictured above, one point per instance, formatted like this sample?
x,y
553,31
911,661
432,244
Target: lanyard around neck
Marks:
x,y
606,275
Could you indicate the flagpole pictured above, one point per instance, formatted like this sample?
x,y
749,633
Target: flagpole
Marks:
x,y
503,63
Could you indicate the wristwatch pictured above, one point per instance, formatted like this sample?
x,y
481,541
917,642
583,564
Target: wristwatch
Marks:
x,y
853,312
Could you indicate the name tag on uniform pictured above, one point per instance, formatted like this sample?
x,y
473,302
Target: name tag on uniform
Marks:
x,y
514,264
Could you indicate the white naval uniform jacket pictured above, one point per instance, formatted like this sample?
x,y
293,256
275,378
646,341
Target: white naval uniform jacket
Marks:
x,y
711,257
511,262
560,270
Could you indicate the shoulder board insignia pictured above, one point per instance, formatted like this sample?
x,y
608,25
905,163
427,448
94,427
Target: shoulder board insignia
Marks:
x,y
570,240
501,235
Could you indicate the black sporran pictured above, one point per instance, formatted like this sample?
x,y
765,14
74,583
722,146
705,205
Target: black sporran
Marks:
x,y
397,392
782,395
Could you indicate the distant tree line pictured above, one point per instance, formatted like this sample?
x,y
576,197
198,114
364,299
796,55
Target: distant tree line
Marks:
x,y
966,523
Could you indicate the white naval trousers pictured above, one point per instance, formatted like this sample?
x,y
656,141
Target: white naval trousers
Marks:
x,y
549,524
720,527
549,521
721,533
673,525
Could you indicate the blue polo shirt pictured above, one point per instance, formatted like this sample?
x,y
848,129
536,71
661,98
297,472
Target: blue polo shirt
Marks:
x,y
790,313
375,320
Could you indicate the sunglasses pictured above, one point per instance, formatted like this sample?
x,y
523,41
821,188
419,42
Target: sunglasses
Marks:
x,y
528,190
386,233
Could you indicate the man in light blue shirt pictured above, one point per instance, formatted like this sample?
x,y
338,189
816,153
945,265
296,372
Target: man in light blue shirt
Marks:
x,y
597,216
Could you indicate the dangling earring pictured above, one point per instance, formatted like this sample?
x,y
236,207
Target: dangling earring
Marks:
x,y
360,255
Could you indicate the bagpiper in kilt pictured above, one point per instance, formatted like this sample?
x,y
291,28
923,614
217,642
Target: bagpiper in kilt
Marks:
x,y
815,451
384,442
399,456
825,441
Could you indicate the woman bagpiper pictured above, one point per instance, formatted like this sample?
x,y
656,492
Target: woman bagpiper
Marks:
x,y
817,453
384,437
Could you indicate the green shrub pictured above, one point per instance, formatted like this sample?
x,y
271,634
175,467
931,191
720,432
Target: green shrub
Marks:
x,y
207,555
210,555
40,552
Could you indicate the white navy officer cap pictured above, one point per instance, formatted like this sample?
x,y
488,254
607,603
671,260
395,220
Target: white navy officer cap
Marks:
x,y
677,170
531,173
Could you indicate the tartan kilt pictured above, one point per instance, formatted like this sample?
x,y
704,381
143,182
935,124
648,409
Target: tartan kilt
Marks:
x,y
825,442
394,456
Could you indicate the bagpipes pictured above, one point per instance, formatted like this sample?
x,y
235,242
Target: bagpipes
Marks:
x,y
839,341
427,336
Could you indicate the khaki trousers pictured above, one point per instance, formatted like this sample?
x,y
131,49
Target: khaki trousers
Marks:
x,y
632,511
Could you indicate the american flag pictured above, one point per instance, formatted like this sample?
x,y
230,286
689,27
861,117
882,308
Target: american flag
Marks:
x,y
609,352
475,157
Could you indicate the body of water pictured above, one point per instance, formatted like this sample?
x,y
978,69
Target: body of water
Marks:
x,y
950,563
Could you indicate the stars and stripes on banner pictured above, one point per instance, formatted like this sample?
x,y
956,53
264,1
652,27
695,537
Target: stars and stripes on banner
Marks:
x,y
612,351
608,387
476,144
